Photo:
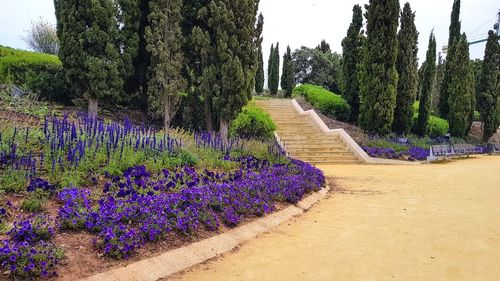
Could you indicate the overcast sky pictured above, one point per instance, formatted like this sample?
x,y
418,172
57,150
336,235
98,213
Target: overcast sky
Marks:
x,y
298,22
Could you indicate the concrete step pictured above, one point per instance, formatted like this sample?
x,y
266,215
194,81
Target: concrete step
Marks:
x,y
329,154
319,149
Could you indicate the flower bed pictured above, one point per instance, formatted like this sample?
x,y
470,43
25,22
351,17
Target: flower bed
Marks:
x,y
130,187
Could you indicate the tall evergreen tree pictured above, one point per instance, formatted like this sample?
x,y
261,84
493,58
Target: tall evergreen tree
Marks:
x,y
164,38
489,89
351,58
201,73
407,66
288,74
438,82
454,36
461,89
89,50
379,78
270,66
273,78
324,47
425,96
259,76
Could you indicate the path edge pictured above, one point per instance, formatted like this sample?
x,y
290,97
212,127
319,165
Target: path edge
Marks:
x,y
177,260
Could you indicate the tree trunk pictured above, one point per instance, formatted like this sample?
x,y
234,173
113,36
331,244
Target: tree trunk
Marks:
x,y
224,128
92,107
208,115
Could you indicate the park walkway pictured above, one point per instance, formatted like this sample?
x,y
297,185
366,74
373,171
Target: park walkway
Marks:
x,y
426,222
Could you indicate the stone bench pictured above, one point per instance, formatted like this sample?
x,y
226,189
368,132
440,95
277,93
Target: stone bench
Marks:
x,y
450,151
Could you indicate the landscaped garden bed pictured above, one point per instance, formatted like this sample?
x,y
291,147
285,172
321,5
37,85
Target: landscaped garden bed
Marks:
x,y
80,195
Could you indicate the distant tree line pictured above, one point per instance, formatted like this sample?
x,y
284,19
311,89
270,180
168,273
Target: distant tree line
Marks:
x,y
382,80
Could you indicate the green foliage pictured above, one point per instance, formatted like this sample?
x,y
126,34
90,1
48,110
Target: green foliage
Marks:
x,y
425,96
407,65
313,66
35,201
36,72
288,74
259,76
273,72
351,58
164,38
12,181
461,89
378,77
489,90
454,37
387,144
325,101
253,122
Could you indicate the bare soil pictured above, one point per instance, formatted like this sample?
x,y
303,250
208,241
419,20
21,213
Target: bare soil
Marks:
x,y
425,222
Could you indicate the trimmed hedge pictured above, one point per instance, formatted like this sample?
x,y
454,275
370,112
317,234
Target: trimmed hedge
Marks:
x,y
436,127
253,122
39,73
326,102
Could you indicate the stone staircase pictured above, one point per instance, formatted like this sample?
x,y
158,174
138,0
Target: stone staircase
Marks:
x,y
304,139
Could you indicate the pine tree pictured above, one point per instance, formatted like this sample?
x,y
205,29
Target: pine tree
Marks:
x,y
89,49
324,47
351,55
379,78
407,66
164,38
259,76
454,36
273,78
489,89
461,89
425,96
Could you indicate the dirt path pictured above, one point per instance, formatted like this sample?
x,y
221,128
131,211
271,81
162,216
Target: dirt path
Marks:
x,y
428,222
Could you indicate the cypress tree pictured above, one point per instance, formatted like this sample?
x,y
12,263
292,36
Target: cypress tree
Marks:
x,y
351,58
89,50
407,66
489,89
232,30
129,20
454,36
288,74
270,65
199,49
379,78
164,38
461,89
259,76
438,82
274,70
427,82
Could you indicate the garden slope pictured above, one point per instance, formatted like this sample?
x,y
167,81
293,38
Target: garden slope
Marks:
x,y
426,222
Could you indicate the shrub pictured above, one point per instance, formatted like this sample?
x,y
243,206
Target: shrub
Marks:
x,y
325,101
436,127
39,73
253,122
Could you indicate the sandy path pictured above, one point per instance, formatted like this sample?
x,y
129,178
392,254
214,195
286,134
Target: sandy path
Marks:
x,y
428,222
